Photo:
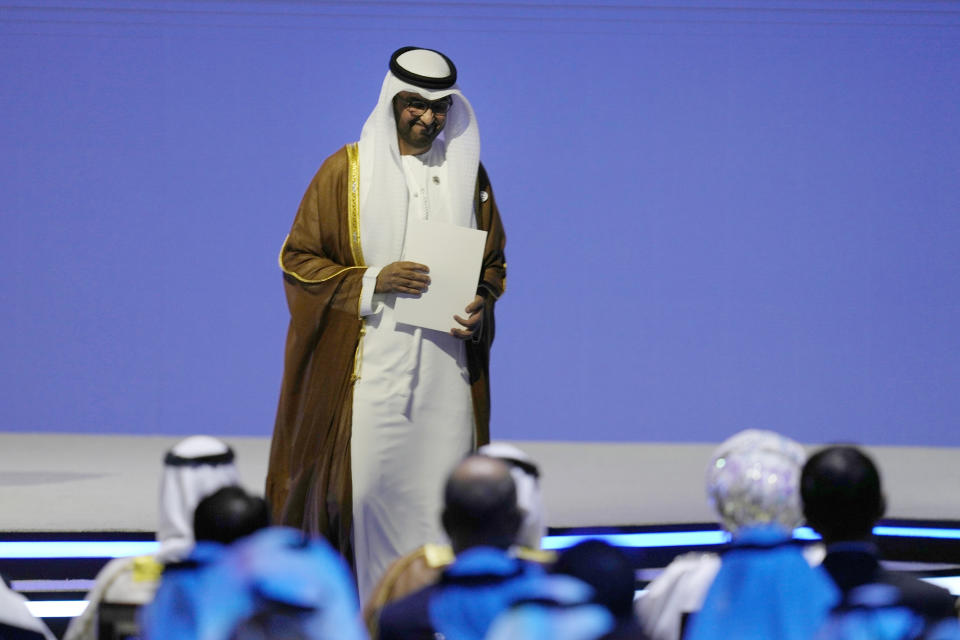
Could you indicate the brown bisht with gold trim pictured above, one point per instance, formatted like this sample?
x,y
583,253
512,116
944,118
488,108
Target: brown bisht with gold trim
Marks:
x,y
308,481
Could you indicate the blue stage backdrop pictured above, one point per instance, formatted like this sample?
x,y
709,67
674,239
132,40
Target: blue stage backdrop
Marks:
x,y
720,215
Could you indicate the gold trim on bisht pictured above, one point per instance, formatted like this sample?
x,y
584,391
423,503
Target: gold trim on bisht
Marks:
x,y
301,278
353,224
353,220
353,202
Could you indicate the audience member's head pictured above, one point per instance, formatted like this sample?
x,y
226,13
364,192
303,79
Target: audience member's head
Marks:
x,y
842,497
229,514
753,480
606,569
526,476
480,504
193,469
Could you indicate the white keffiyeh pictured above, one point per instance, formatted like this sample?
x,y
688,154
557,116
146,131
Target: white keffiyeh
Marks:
x,y
383,188
195,468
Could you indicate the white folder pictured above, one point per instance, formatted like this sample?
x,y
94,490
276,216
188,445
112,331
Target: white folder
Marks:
x,y
454,256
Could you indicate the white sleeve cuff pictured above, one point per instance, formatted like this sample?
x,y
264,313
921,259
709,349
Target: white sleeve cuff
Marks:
x,y
367,287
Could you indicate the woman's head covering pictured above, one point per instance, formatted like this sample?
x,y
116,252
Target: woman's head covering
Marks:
x,y
193,469
383,187
754,478
526,476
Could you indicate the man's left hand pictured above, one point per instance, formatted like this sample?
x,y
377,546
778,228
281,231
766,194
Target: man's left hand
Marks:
x,y
472,322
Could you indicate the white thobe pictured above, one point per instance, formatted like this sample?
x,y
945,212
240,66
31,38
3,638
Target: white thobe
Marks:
x,y
412,411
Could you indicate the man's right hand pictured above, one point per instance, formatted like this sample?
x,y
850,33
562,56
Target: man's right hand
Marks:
x,y
403,277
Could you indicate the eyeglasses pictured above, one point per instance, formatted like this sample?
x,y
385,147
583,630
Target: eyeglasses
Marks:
x,y
418,106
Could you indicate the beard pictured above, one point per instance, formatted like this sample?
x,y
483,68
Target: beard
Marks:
x,y
417,135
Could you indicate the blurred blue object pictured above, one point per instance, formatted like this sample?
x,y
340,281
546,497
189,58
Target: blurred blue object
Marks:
x,y
765,589
274,581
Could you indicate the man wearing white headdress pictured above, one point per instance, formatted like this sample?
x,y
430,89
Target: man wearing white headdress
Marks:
x,y
526,475
372,413
193,469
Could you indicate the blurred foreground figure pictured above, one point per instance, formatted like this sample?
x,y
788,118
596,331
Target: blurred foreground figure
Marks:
x,y
609,572
753,483
481,518
228,515
764,589
752,478
843,500
193,469
423,567
526,477
273,584
220,519
589,596
16,621
879,611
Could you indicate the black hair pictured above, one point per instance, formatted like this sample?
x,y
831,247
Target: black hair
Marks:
x,y
605,568
842,497
229,514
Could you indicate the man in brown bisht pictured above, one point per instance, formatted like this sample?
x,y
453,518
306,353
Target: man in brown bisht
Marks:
x,y
373,413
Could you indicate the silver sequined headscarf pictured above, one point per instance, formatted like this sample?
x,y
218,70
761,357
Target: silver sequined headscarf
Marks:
x,y
753,479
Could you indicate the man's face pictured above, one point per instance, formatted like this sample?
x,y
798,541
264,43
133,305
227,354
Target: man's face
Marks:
x,y
418,123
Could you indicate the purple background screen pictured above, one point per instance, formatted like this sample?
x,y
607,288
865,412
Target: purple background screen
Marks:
x,y
719,215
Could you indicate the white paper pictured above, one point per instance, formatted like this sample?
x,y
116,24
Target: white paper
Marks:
x,y
454,256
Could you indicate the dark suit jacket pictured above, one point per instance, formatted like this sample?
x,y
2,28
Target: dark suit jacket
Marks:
x,y
854,564
476,570
408,618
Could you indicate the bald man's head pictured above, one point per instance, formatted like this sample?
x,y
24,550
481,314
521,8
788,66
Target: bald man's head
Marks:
x,y
480,504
